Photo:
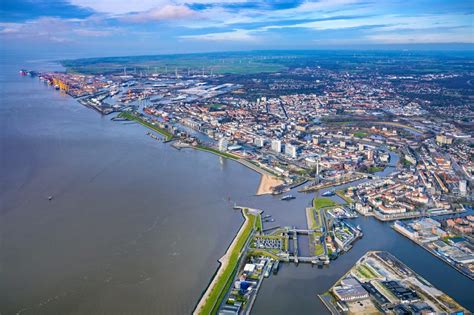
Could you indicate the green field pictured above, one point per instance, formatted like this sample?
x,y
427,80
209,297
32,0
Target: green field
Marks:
x,y
340,193
132,117
215,151
259,224
167,64
375,169
360,134
318,249
322,202
311,214
253,62
366,272
261,252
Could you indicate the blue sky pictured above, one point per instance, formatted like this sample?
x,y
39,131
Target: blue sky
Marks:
x,y
118,27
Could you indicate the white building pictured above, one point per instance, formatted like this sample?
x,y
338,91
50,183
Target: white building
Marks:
x,y
259,142
370,155
463,187
316,140
223,143
276,145
290,150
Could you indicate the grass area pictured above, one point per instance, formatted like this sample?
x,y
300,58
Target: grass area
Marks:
x,y
132,117
286,246
214,106
166,64
262,252
270,237
318,249
405,162
225,279
259,224
322,202
310,215
360,134
366,272
217,152
375,169
341,194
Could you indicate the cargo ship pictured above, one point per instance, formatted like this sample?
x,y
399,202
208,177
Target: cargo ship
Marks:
x,y
24,72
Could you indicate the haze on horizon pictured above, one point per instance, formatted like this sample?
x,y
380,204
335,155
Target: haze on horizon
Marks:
x,y
121,27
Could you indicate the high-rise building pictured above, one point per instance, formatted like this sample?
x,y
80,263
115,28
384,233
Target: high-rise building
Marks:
x,y
223,144
259,142
276,145
290,150
318,169
463,187
443,139
316,140
370,155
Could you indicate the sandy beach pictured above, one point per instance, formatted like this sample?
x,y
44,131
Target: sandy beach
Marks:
x,y
267,183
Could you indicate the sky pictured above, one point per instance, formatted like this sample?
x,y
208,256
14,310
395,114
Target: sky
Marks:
x,y
129,27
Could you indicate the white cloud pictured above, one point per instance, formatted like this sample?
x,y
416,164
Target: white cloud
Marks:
x,y
424,37
54,29
167,12
123,7
92,33
117,7
235,35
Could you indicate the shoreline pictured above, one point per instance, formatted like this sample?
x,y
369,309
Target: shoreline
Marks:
x,y
267,183
224,263
420,244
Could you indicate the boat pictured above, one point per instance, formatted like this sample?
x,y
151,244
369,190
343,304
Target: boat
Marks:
x,y
288,197
23,72
275,267
268,270
328,193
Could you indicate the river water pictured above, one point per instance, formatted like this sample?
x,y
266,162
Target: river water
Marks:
x,y
135,226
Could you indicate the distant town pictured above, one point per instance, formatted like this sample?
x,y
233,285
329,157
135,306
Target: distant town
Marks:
x,y
394,141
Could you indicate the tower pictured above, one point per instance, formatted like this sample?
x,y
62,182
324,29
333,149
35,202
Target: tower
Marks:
x,y
316,179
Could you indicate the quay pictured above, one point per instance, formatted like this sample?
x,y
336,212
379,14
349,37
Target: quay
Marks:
x,y
342,181
446,260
